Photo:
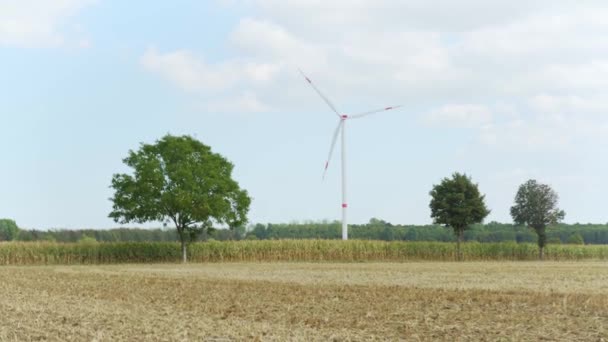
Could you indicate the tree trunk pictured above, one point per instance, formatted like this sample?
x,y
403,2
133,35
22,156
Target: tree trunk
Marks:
x,y
542,242
184,251
459,240
182,239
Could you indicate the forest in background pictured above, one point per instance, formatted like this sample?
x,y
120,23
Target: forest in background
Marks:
x,y
375,229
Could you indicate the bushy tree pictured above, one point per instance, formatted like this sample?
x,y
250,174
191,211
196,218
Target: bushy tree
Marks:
x,y
9,230
536,207
180,180
576,239
87,239
457,203
554,240
259,231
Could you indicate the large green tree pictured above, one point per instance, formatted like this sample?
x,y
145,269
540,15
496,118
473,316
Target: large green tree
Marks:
x,y
9,230
536,206
180,180
457,203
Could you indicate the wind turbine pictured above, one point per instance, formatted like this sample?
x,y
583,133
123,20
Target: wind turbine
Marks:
x,y
341,128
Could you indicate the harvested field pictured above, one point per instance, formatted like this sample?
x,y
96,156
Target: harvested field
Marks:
x,y
480,301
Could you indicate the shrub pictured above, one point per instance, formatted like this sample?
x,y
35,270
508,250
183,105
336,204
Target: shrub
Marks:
x,y
576,239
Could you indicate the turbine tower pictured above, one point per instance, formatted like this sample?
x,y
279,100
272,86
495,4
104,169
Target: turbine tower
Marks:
x,y
340,130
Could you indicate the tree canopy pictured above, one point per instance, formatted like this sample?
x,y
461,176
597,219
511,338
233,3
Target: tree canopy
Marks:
x,y
457,203
536,206
179,180
9,230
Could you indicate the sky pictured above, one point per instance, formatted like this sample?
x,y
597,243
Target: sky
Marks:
x,y
504,91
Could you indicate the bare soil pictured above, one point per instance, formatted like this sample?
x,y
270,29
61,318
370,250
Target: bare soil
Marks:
x,y
485,301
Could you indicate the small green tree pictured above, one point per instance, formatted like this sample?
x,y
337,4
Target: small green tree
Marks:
x,y
457,203
554,240
576,239
87,239
180,180
536,207
9,230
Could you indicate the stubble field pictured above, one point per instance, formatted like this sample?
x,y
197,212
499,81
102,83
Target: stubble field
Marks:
x,y
480,301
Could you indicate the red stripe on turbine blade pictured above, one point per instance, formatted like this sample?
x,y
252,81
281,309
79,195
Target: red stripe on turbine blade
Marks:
x,y
326,164
388,108
344,205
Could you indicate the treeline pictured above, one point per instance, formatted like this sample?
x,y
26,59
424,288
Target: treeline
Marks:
x,y
381,230
121,235
376,229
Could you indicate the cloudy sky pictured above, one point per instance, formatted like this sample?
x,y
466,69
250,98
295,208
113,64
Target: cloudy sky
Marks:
x,y
502,90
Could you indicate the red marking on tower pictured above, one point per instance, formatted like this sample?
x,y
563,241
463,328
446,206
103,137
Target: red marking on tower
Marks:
x,y
344,205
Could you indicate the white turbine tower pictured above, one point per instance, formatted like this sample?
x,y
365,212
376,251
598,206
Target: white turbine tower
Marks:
x,y
341,128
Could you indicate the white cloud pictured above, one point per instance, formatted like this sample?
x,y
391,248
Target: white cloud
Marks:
x,y
540,34
193,74
32,23
549,122
413,14
544,62
188,72
215,83
570,105
588,76
246,102
263,39
526,135
462,115
84,44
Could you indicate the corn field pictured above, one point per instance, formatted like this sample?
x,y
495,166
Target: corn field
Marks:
x,y
41,253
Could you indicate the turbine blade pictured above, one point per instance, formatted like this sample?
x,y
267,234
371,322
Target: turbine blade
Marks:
x,y
333,145
360,115
320,93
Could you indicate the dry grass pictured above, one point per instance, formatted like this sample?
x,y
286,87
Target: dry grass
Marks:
x,y
52,253
295,301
